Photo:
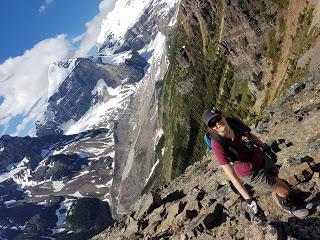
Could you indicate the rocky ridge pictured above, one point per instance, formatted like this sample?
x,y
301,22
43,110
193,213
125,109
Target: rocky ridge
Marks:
x,y
200,204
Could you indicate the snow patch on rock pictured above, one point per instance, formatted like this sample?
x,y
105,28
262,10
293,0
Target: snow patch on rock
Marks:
x,y
102,111
61,214
57,73
57,185
116,58
113,28
151,171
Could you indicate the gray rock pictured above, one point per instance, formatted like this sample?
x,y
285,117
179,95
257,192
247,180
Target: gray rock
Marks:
x,y
297,87
289,162
282,146
146,204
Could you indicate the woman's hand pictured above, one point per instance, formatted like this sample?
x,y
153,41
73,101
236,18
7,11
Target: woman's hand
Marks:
x,y
252,205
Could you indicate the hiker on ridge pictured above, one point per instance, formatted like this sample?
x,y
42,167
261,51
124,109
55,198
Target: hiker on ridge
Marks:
x,y
245,158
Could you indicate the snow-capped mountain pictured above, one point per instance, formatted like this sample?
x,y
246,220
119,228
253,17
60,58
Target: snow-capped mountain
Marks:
x,y
97,137
119,32
77,93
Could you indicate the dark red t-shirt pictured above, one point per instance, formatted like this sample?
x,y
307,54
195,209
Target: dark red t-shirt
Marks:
x,y
241,165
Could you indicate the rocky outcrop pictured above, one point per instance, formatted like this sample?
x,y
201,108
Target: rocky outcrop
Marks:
x,y
293,120
200,204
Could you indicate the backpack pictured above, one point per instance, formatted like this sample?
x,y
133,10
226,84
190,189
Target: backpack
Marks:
x,y
233,153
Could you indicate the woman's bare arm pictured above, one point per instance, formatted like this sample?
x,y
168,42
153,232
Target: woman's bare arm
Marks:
x,y
228,169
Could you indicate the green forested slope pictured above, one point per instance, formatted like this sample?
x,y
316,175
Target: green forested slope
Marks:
x,y
203,73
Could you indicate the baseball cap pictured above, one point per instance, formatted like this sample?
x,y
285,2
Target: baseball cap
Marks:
x,y
209,114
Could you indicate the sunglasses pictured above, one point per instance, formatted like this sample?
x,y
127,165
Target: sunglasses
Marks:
x,y
213,121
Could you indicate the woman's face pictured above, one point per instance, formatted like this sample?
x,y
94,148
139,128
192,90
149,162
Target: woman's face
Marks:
x,y
220,126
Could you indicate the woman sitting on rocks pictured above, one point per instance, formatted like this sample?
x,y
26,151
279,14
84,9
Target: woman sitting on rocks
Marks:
x,y
242,156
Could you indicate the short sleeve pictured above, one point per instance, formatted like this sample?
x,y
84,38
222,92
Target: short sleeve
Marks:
x,y
220,153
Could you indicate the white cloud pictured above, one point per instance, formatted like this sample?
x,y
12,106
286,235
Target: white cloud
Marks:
x,y
36,111
24,79
45,6
89,38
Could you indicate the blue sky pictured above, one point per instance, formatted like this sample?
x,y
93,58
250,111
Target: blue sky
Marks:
x,y
34,34
23,25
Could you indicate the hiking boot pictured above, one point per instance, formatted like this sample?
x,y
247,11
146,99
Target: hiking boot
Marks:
x,y
282,202
288,207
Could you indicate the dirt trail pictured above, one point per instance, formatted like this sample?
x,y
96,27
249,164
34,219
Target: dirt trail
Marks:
x,y
311,56
291,18
316,17
296,7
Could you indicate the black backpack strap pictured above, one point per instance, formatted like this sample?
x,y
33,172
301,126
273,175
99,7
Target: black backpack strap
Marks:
x,y
248,140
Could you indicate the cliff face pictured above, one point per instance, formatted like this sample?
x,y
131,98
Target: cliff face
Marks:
x,y
200,204
136,129
243,57
236,55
